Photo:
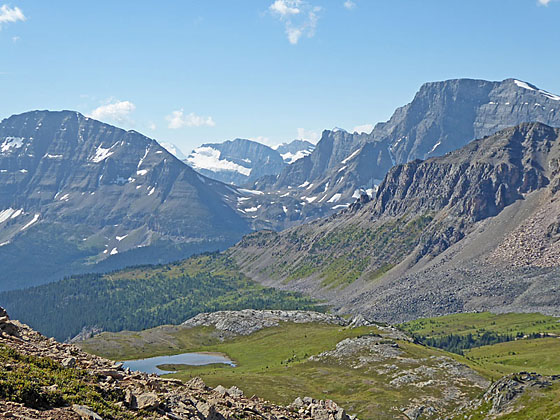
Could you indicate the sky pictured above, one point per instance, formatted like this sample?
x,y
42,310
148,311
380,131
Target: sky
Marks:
x,y
190,72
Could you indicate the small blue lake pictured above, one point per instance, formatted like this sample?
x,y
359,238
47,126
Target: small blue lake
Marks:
x,y
151,364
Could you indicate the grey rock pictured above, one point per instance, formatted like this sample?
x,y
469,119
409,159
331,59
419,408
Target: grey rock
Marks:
x,y
69,362
147,401
85,412
235,392
248,321
486,243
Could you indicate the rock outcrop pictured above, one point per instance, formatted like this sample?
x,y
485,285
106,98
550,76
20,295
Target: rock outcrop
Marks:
x,y
248,321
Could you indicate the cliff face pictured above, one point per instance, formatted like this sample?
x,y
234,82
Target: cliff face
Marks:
x,y
441,118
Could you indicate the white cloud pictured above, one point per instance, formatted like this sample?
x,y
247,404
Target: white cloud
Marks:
x,y
15,39
10,15
364,128
114,111
309,135
285,7
349,4
263,140
545,2
177,119
152,126
299,18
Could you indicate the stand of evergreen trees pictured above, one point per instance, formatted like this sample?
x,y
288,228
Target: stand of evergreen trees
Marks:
x,y
144,297
456,343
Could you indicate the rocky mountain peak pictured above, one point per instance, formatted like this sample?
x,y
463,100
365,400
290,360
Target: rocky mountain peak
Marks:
x,y
100,191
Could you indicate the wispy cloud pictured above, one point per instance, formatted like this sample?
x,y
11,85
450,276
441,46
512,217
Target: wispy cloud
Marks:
x,y
309,135
364,128
262,140
299,18
10,15
349,4
545,2
177,119
117,111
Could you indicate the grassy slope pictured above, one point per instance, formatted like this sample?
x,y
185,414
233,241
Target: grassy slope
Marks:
x,y
535,355
273,364
463,324
143,297
337,256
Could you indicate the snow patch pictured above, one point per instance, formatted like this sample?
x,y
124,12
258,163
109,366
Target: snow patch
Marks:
x,y
102,153
142,172
11,143
341,206
290,158
525,85
141,161
253,192
353,155
251,209
35,218
208,158
65,197
305,184
435,147
335,198
9,213
120,238
152,190
49,156
114,251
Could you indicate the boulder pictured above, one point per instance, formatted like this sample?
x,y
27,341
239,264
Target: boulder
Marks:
x,y
85,412
147,401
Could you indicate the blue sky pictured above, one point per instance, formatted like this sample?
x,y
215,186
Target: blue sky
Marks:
x,y
196,71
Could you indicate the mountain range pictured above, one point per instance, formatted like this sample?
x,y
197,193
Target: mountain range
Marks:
x,y
242,161
476,229
442,117
78,195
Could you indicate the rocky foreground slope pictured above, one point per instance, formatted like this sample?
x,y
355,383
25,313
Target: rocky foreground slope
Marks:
x,y
41,378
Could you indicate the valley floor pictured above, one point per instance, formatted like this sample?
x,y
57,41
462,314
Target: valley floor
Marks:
x,y
374,371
